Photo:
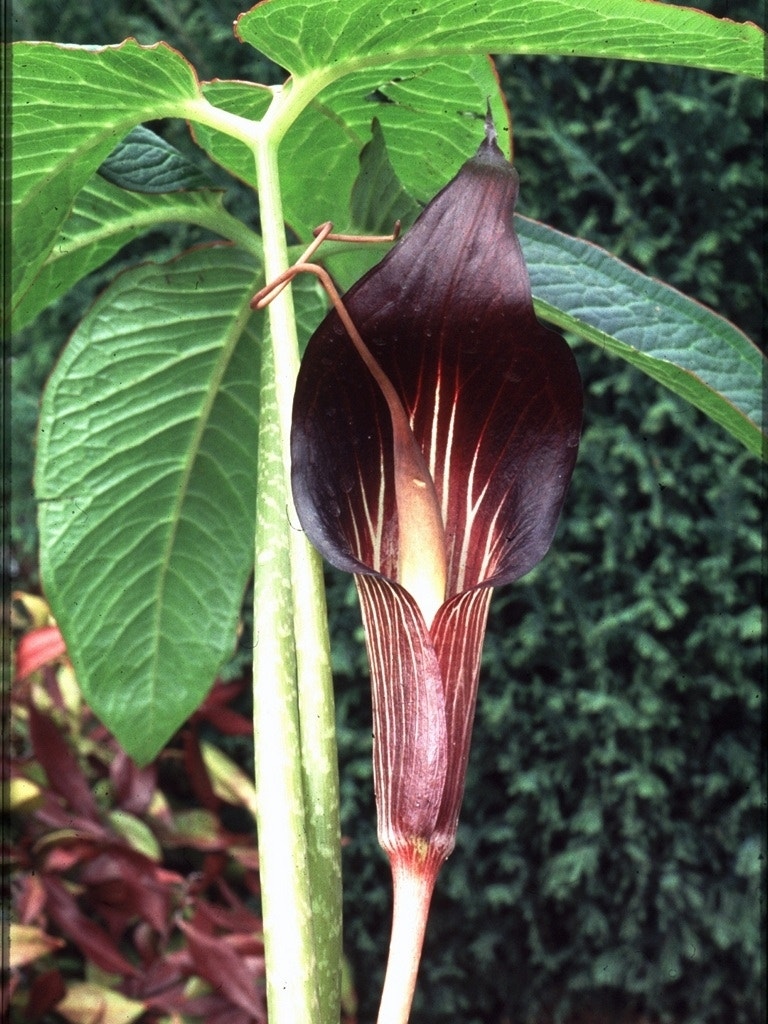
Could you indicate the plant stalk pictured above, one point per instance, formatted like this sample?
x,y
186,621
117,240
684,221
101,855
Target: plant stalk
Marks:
x,y
291,969
413,885
311,696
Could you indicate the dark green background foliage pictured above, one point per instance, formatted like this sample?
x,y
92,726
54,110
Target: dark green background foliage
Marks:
x,y
610,852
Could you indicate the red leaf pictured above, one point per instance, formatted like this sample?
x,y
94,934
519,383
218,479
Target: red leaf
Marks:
x,y
234,918
124,885
45,991
213,1010
90,939
55,816
162,981
215,711
227,972
29,899
220,695
133,787
197,773
37,648
60,765
229,722
63,854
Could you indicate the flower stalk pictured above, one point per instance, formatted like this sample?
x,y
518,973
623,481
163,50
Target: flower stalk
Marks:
x,y
412,892
296,770
435,430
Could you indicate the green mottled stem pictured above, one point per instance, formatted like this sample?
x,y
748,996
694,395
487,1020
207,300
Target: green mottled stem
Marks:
x,y
320,775
303,974
283,857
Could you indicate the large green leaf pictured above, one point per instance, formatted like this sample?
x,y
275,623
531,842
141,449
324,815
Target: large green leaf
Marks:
x,y
680,343
145,476
72,105
328,40
430,116
248,99
433,110
104,219
146,483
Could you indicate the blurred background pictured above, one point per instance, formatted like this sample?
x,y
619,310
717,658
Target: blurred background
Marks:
x,y
610,857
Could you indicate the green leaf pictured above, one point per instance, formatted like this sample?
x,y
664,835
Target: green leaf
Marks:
x,y
71,106
136,833
85,1000
570,868
326,40
248,99
377,202
145,477
680,343
145,162
430,115
104,219
434,111
378,197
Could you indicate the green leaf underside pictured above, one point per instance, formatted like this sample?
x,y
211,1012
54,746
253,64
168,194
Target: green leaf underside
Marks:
x,y
146,476
435,112
72,105
677,341
378,197
145,162
247,99
378,201
315,37
103,220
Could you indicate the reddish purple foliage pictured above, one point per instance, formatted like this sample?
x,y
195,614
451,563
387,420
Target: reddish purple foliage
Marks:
x,y
99,862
